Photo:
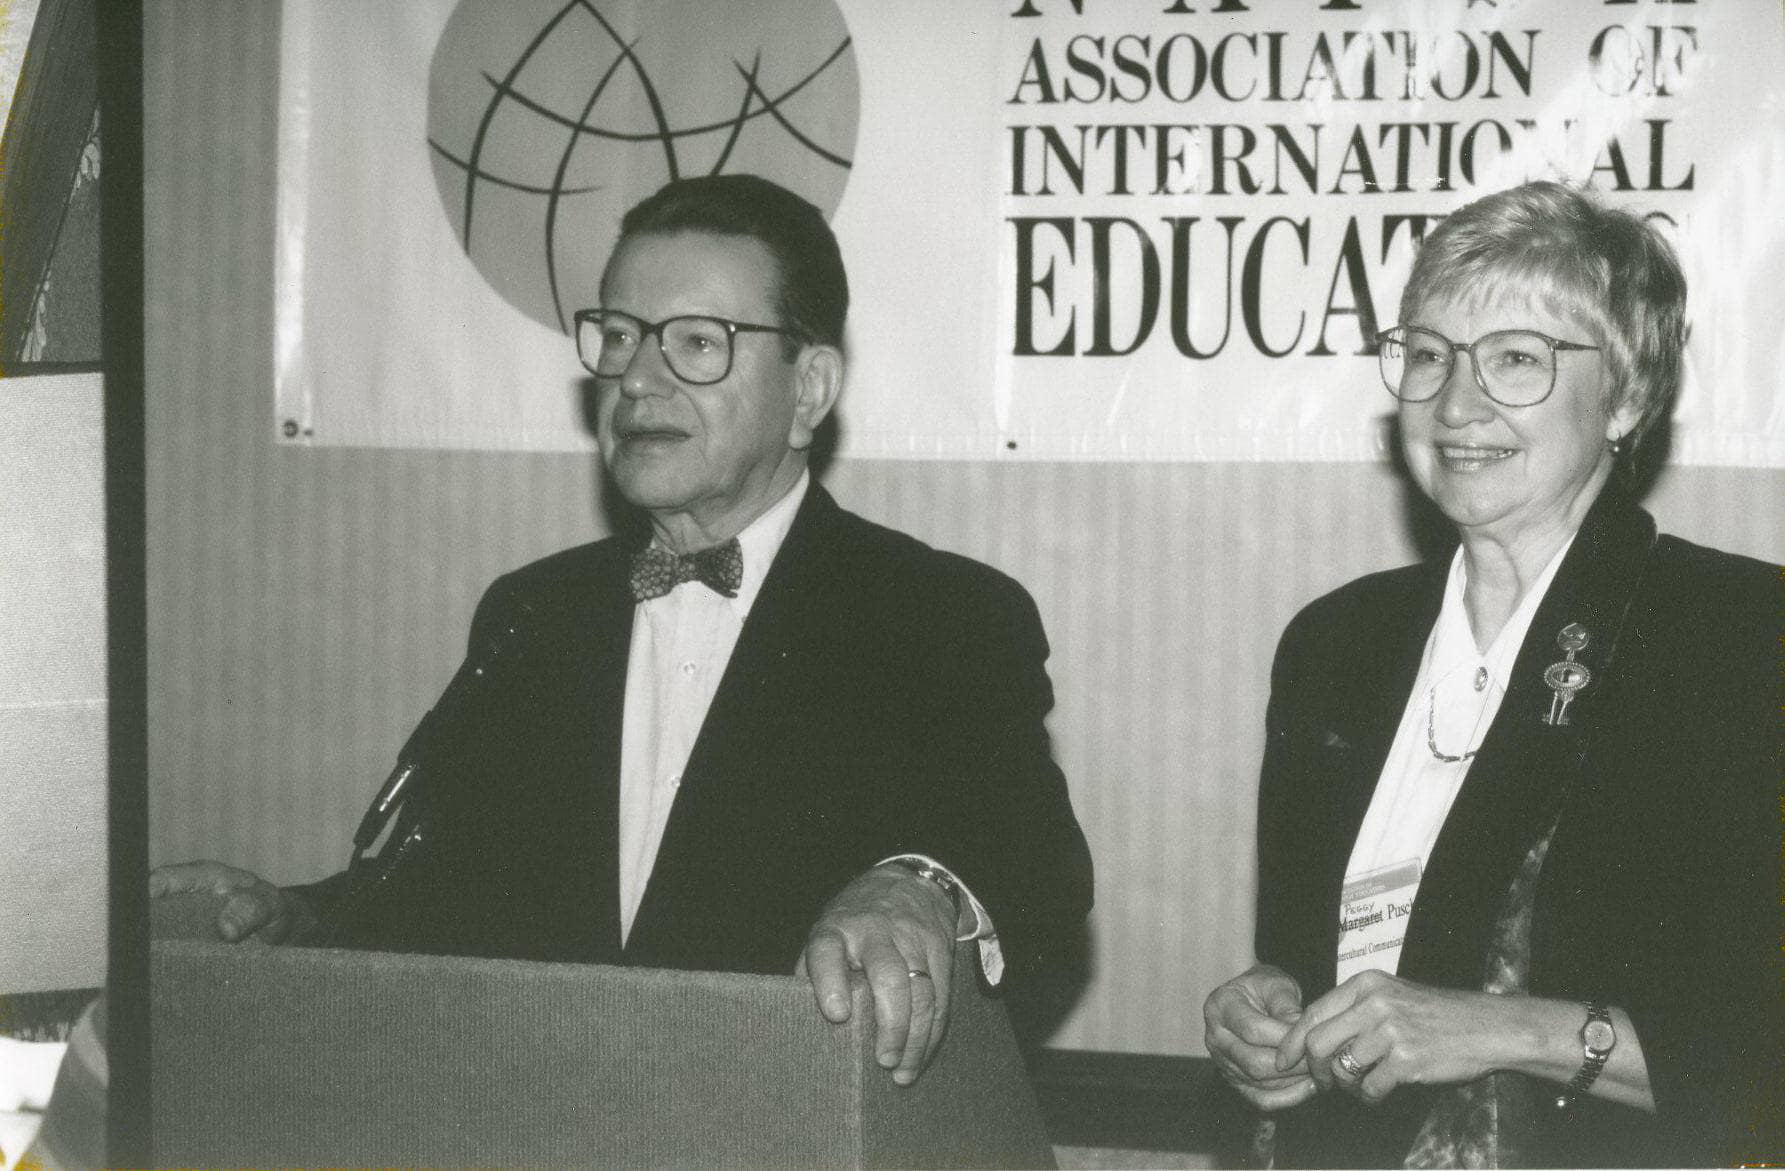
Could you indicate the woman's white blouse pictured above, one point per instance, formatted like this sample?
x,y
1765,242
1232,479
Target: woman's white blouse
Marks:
x,y
1453,703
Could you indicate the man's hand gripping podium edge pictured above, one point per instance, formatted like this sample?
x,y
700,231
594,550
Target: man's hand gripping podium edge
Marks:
x,y
893,925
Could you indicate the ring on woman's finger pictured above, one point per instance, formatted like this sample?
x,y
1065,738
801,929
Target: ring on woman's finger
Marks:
x,y
920,974
1352,1066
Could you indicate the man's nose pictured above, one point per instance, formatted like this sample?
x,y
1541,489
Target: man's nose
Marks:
x,y
647,373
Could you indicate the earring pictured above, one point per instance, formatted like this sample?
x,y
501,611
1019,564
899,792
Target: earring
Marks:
x,y
1616,443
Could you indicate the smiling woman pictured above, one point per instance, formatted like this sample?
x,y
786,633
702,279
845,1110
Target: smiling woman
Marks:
x,y
1481,914
1514,443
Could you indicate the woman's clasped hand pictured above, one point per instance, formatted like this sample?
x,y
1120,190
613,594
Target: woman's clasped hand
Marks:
x,y
1370,1034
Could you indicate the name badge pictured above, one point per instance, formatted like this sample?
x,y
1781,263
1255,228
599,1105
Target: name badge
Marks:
x,y
1373,911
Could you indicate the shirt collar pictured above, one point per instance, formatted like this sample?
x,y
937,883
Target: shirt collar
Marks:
x,y
1453,642
762,539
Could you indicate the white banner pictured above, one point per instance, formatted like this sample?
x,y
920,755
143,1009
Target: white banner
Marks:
x,y
1105,229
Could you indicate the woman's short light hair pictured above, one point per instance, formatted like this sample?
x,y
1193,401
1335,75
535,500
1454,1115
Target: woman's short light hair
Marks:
x,y
1606,267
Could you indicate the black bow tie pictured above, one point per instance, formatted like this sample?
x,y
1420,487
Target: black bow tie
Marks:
x,y
656,571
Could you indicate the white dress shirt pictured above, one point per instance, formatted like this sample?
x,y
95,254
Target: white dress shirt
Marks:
x,y
1454,701
681,643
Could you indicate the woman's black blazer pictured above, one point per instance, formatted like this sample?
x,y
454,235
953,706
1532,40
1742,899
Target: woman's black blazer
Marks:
x,y
1661,889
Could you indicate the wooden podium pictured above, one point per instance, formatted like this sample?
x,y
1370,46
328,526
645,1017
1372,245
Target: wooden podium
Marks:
x,y
289,1056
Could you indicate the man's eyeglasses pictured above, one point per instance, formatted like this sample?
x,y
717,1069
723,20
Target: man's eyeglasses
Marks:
x,y
1514,367
698,349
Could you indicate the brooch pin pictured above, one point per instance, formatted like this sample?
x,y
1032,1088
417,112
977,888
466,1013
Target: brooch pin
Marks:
x,y
1567,678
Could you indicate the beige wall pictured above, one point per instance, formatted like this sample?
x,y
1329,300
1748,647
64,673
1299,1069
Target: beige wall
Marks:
x,y
306,605
52,684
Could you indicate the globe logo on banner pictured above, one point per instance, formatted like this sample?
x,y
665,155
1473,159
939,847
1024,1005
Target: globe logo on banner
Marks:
x,y
547,119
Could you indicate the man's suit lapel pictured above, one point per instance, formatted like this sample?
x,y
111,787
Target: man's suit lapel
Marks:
x,y
1511,795
782,624
592,641
762,686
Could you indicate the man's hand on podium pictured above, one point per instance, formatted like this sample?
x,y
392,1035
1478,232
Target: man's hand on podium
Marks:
x,y
898,930
253,908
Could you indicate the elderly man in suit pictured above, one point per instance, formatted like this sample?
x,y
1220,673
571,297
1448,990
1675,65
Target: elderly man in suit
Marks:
x,y
772,737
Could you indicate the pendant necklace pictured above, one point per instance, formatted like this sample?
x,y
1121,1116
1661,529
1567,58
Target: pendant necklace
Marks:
x,y
1480,684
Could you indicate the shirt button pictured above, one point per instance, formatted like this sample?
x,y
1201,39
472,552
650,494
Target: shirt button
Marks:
x,y
1481,678
675,780
688,669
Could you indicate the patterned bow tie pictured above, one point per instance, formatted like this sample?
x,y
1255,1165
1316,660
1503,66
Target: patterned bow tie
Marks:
x,y
656,571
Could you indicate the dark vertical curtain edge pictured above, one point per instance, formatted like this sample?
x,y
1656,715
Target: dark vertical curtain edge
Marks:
x,y
119,54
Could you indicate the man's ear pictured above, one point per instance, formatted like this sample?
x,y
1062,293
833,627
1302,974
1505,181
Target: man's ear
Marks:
x,y
818,380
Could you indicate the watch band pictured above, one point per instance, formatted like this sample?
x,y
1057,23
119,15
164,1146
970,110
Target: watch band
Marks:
x,y
935,874
1594,1054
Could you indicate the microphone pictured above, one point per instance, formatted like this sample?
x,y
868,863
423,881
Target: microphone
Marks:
x,y
384,805
405,780
342,900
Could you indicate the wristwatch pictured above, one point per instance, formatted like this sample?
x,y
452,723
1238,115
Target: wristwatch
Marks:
x,y
1597,1039
935,874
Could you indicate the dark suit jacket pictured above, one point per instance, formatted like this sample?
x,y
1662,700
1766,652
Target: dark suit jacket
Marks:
x,y
883,697
1660,892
